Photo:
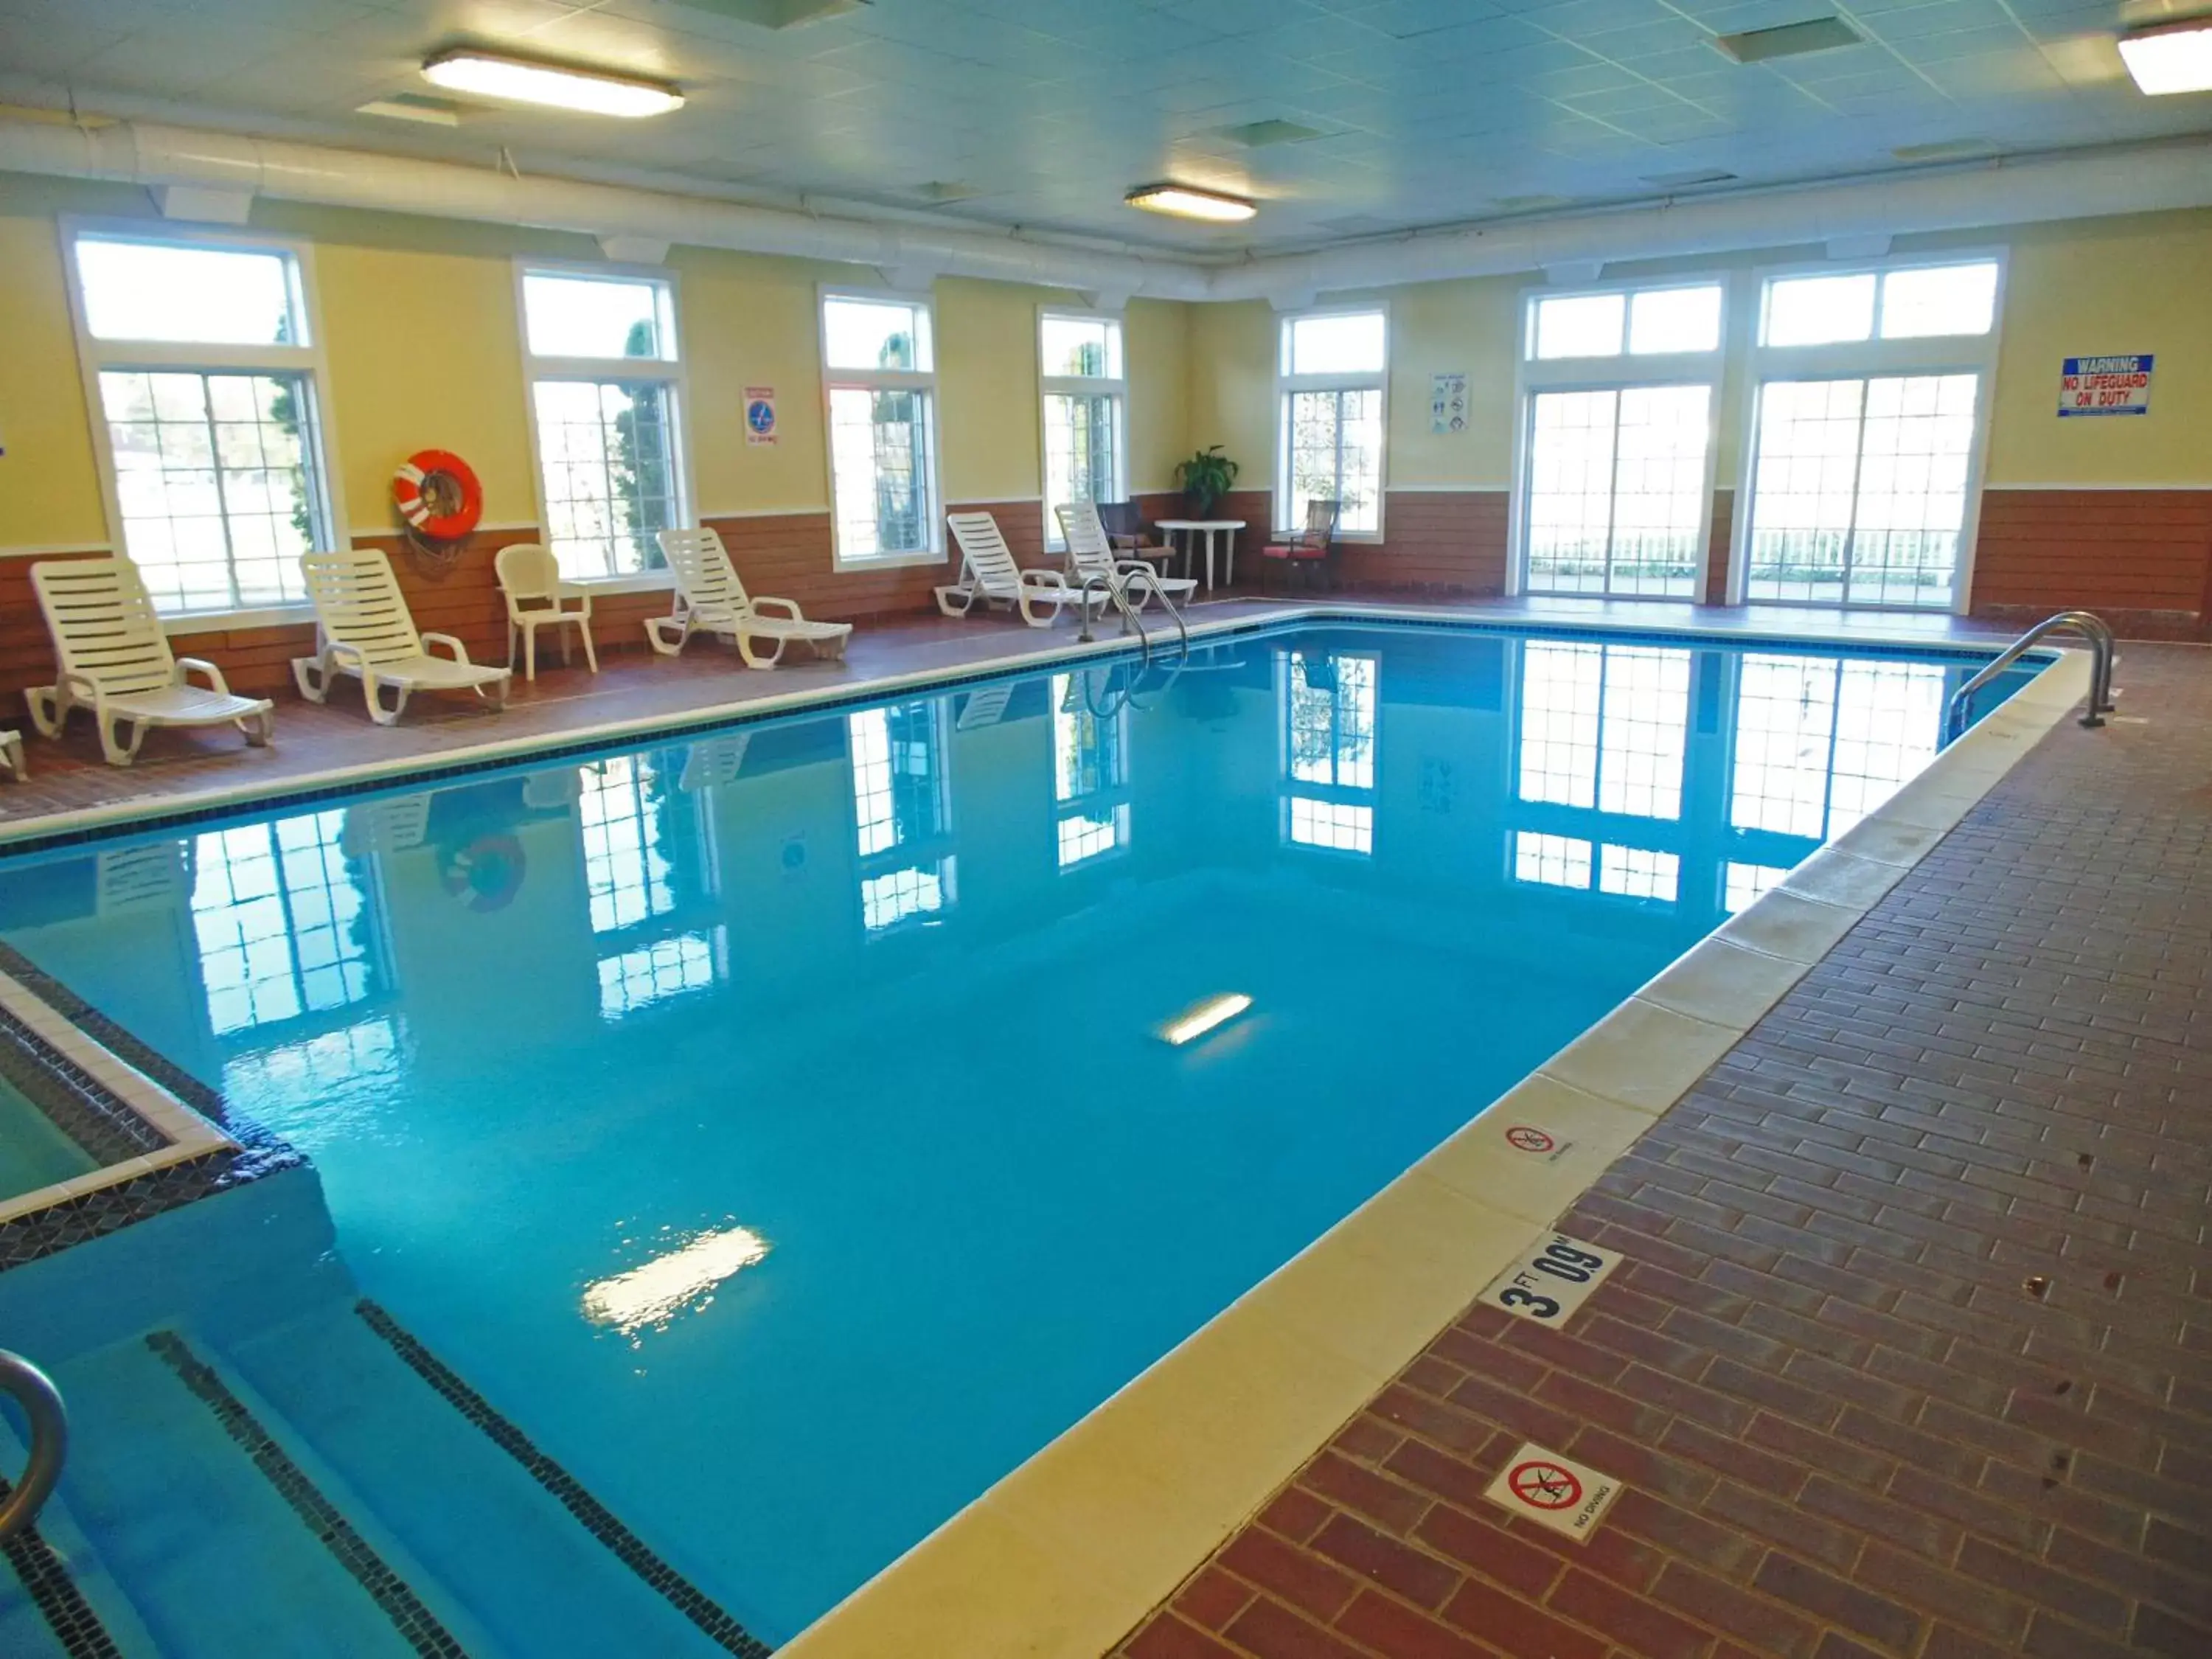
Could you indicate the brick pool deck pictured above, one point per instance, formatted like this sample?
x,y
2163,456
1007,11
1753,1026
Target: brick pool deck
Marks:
x,y
1911,1351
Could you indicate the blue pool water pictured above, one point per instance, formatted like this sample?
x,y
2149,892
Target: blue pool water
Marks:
x,y
776,1125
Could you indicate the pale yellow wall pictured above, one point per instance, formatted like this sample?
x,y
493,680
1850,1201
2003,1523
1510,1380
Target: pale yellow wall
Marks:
x,y
988,409
1156,345
1449,328
2106,288
753,322
1232,386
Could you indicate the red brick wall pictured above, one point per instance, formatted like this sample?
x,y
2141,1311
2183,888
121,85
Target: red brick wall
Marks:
x,y
1434,542
2140,558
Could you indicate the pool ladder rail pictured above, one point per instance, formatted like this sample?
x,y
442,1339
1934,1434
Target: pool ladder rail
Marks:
x,y
35,1391
2104,650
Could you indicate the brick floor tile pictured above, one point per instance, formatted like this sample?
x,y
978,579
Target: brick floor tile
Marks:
x,y
1271,1630
1296,1576
1380,1623
1631,1621
1772,1630
1837,1603
1212,1598
1169,1637
1411,1573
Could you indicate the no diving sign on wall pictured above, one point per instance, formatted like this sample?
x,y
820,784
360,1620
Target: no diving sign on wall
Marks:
x,y
2105,385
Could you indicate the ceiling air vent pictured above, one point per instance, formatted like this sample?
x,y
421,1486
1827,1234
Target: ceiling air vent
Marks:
x,y
1259,135
414,106
1685,181
1529,204
1946,149
776,14
938,192
1789,40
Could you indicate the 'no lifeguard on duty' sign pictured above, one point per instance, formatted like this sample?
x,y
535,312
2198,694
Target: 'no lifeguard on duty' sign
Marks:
x,y
2105,385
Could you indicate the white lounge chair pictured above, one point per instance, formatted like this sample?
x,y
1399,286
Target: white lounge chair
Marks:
x,y
529,582
363,627
988,574
710,599
115,660
11,755
1089,553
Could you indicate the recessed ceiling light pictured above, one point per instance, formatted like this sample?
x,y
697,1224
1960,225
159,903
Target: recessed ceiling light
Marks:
x,y
523,81
1789,40
1187,203
2170,58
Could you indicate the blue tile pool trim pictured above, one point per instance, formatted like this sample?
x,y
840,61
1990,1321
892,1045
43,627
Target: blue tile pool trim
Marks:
x,y
45,1579
594,1516
103,1127
894,688
27,1238
417,1626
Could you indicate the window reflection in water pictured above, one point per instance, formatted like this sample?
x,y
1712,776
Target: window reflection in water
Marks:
x,y
1744,883
1328,708
902,813
649,869
283,929
1090,767
1602,726
1820,744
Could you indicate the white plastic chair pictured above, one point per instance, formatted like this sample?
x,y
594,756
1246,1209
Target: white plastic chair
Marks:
x,y
988,574
1089,553
710,599
363,627
11,755
529,582
116,661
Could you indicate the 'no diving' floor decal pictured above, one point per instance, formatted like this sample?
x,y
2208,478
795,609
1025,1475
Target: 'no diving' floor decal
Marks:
x,y
1566,1497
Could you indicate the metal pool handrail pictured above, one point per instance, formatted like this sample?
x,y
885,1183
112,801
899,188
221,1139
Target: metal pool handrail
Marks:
x,y
2103,648
35,1391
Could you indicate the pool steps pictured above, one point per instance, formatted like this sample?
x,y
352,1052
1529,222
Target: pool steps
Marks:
x,y
184,1548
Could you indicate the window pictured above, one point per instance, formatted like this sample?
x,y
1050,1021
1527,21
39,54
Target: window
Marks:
x,y
607,412
1550,860
1912,302
1614,489
1332,366
285,927
902,813
1329,706
1859,489
1085,414
1866,429
206,375
1090,767
880,365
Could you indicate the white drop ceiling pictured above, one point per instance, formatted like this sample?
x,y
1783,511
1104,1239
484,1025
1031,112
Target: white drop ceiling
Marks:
x,y
1042,113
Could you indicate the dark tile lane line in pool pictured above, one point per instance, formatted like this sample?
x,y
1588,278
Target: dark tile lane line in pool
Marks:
x,y
413,1622
594,1516
45,1579
104,1128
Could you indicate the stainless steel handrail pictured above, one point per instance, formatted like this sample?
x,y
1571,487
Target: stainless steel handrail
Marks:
x,y
2104,649
35,1391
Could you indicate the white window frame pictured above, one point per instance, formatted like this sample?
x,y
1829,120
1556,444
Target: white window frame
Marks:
x,y
1868,359
882,379
309,359
1534,376
671,373
1080,386
1286,383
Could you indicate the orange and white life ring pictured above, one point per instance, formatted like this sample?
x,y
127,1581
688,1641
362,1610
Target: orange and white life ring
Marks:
x,y
438,494
487,874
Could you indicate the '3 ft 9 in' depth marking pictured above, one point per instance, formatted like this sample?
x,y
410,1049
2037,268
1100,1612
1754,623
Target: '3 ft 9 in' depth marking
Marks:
x,y
1551,1281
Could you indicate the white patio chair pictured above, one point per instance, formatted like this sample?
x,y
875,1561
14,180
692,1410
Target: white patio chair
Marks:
x,y
363,627
115,660
11,756
1089,553
988,574
710,599
529,582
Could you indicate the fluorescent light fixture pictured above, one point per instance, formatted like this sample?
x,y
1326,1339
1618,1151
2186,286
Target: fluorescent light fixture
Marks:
x,y
521,81
1186,202
2170,58
1195,1020
674,1282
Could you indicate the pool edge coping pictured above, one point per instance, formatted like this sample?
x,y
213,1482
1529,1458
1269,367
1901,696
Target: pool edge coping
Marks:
x,y
1067,1552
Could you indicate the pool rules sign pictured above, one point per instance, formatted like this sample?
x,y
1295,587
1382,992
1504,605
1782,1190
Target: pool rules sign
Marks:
x,y
2105,385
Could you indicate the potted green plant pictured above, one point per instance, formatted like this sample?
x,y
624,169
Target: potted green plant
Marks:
x,y
1206,479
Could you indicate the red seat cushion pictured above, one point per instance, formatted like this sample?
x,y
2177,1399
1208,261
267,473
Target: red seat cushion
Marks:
x,y
1292,550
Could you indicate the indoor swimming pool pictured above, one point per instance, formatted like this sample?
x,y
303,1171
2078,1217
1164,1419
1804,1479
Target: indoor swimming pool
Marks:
x,y
790,1129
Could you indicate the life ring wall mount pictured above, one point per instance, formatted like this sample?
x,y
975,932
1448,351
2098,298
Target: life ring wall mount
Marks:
x,y
439,500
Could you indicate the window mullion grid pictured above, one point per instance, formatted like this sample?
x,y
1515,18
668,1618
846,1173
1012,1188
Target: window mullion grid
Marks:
x,y
222,496
1858,472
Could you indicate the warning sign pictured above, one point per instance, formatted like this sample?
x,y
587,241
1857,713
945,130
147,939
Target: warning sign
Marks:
x,y
1525,1137
1542,1486
1552,1280
759,414
2105,385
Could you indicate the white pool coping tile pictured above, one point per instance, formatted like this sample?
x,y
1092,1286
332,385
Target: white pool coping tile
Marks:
x,y
1071,1551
